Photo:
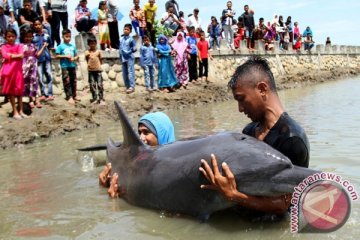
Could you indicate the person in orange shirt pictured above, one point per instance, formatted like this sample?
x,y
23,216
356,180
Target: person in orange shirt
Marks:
x,y
138,21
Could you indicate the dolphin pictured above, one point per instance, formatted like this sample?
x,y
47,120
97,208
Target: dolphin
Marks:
x,y
167,177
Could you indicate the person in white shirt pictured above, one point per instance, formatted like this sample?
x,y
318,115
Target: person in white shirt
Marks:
x,y
227,19
169,20
195,20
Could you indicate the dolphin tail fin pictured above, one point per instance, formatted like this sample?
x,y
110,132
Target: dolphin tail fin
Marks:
x,y
130,136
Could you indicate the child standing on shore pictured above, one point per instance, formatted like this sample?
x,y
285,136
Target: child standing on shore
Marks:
x,y
12,79
67,54
93,58
147,61
204,54
104,33
138,20
167,79
181,49
41,39
192,41
30,67
127,49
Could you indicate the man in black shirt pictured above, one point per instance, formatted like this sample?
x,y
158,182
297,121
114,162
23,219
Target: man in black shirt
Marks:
x,y
254,89
26,15
248,19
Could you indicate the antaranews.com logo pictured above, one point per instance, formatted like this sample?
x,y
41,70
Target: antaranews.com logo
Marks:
x,y
321,203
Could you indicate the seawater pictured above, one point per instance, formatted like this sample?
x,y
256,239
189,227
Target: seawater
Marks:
x,y
48,190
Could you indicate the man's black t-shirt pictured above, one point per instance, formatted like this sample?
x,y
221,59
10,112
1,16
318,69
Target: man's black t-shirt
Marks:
x,y
287,137
29,16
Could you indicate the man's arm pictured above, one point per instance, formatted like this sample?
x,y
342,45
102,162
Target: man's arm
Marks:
x,y
227,186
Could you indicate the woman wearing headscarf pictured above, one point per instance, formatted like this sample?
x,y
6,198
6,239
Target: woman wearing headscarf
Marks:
x,y
154,129
180,47
166,74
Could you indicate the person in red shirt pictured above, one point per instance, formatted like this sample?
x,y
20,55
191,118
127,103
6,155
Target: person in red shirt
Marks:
x,y
240,35
297,45
203,55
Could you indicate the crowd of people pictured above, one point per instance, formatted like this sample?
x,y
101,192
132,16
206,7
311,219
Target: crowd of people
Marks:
x,y
181,56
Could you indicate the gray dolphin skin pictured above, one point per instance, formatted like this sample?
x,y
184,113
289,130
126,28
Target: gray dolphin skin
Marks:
x,y
167,177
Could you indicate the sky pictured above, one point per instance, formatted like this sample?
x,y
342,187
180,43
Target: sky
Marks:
x,y
338,20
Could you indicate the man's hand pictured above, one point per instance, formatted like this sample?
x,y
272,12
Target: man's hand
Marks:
x,y
224,184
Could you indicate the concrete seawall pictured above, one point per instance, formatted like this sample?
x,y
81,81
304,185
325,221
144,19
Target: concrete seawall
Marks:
x,y
327,60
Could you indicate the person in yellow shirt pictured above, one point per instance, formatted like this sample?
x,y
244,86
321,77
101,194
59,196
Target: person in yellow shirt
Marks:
x,y
150,9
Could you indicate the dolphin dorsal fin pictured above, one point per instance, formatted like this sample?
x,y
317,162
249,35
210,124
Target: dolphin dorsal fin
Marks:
x,y
130,136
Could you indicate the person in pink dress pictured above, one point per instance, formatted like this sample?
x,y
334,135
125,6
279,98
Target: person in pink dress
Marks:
x,y
181,50
12,78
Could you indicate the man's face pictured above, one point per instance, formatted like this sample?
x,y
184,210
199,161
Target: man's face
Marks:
x,y
151,2
170,10
196,13
28,7
249,101
246,8
229,4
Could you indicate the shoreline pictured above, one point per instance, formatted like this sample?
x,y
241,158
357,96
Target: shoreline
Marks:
x,y
59,118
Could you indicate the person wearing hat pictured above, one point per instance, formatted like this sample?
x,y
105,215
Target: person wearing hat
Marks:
x,y
194,20
154,129
82,17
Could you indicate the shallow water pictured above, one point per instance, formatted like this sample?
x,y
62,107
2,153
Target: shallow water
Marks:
x,y
46,192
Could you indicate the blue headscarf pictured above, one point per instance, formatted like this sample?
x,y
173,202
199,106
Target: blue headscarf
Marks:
x,y
159,124
163,47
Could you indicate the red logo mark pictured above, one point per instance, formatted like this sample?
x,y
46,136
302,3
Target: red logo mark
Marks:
x,y
325,207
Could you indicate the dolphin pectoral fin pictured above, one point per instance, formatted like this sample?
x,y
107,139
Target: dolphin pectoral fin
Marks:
x,y
130,136
98,147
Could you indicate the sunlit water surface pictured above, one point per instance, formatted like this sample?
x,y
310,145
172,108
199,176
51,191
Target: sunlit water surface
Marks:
x,y
46,191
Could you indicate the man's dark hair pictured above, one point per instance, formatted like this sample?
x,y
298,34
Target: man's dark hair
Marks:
x,y
128,25
261,19
192,28
146,37
65,31
27,2
254,70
